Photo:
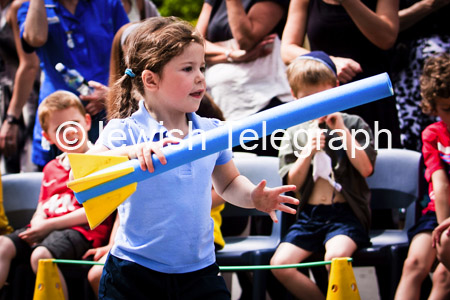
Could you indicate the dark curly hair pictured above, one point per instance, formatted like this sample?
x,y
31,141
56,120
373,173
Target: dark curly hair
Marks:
x,y
435,81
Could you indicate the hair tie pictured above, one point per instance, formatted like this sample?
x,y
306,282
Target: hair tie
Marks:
x,y
130,73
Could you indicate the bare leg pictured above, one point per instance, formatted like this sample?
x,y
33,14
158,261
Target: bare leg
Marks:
x,y
443,249
94,275
43,253
7,253
339,246
416,267
298,284
441,284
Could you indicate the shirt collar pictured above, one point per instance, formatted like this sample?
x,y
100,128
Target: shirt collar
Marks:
x,y
147,123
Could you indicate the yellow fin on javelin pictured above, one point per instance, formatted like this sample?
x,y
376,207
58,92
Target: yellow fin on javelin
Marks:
x,y
99,208
85,164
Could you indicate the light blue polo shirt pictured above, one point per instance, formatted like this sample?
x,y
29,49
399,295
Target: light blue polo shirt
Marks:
x,y
166,224
81,41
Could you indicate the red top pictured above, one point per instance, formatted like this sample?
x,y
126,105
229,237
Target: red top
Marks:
x,y
436,153
57,200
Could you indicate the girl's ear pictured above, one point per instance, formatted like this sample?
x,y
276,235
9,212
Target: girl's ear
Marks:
x,y
150,80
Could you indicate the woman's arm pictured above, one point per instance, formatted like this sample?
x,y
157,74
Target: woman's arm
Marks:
x,y
380,27
295,31
23,84
216,53
419,10
249,29
36,25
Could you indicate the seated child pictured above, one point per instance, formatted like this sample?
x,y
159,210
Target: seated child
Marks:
x,y
435,90
58,228
334,213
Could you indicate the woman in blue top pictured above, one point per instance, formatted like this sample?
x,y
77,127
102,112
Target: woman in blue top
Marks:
x,y
78,34
164,246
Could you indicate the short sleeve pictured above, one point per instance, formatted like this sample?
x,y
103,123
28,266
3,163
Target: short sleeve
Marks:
x,y
120,17
363,135
118,133
224,155
430,152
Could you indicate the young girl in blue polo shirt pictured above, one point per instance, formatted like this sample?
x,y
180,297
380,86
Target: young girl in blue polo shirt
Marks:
x,y
164,246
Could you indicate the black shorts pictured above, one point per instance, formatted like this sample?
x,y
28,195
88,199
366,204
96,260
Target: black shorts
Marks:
x,y
67,244
317,224
122,279
426,223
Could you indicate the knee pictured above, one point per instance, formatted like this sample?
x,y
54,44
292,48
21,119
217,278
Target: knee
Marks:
x,y
94,275
413,265
7,248
335,253
441,276
281,274
37,254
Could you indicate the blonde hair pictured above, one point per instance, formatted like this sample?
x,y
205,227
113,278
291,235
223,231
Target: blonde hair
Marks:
x,y
435,81
307,72
149,47
55,102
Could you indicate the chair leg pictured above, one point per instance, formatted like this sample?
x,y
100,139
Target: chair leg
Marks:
x,y
259,284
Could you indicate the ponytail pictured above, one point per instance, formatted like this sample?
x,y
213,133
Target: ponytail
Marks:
x,y
121,102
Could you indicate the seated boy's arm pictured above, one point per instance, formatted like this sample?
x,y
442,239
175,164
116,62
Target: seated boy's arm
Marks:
x,y
39,230
441,192
355,152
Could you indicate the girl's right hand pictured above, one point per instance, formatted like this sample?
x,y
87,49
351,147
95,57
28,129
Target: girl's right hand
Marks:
x,y
143,152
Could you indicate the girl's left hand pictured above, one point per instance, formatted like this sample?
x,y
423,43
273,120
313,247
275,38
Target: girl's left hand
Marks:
x,y
270,199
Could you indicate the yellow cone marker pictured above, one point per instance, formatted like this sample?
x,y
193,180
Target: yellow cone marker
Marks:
x,y
342,283
48,284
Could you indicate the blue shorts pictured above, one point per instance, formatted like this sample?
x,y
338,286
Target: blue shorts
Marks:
x,y
122,279
317,224
426,223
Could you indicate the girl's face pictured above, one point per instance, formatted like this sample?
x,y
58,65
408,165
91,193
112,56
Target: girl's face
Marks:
x,y
443,110
182,84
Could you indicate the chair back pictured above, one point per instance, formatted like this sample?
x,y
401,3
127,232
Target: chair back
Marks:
x,y
255,168
20,196
396,181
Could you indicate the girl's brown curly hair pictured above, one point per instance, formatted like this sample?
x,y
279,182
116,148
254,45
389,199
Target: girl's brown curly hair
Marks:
x,y
435,81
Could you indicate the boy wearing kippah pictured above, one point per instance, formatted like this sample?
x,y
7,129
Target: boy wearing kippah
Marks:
x,y
328,160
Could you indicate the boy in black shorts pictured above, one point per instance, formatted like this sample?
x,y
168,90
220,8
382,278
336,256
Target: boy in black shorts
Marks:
x,y
58,228
327,159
